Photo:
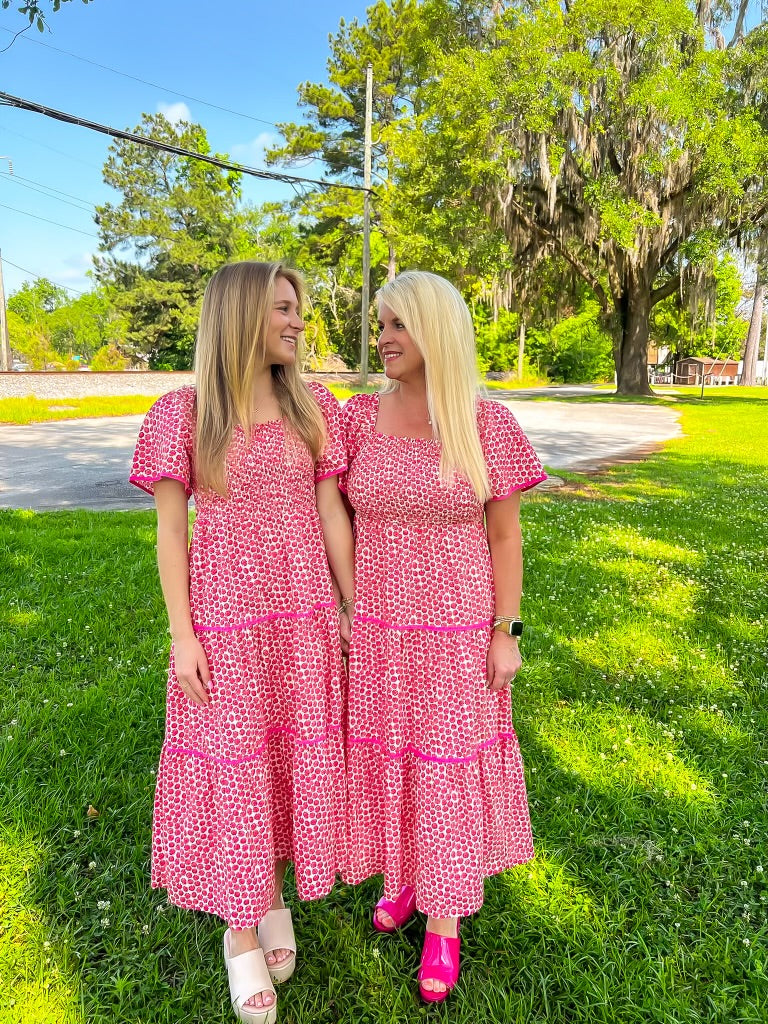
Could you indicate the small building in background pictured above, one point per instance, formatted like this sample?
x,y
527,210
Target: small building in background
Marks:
x,y
694,369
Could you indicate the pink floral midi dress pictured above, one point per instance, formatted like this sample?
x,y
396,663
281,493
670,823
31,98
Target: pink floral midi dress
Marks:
x,y
258,774
436,794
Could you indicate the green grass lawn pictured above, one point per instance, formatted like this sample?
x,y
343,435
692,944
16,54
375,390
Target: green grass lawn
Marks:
x,y
40,410
641,711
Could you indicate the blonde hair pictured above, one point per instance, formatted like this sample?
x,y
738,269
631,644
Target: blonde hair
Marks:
x,y
229,353
440,325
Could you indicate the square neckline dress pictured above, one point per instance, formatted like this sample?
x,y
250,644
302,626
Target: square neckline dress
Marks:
x,y
436,790
259,773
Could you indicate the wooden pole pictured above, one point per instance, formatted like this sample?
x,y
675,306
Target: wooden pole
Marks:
x,y
6,363
366,290
521,348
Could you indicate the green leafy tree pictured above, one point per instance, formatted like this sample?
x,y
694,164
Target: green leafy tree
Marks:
x,y
35,301
85,324
622,137
178,220
35,12
30,343
690,329
109,357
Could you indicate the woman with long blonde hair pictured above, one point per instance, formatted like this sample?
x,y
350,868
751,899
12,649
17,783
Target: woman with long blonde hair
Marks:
x,y
437,796
251,772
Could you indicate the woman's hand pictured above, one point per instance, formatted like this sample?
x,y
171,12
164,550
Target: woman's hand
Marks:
x,y
503,660
192,672
345,630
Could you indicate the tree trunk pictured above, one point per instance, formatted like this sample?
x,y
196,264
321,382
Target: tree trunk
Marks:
x,y
631,352
748,372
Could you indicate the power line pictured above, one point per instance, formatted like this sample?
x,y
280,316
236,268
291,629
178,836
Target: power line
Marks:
x,y
34,216
38,108
143,81
39,277
45,190
44,145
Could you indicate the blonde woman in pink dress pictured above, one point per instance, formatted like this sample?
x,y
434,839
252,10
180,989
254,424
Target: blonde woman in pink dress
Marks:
x,y
437,797
252,769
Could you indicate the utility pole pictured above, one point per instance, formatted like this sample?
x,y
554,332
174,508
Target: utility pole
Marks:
x,y
521,348
6,363
366,296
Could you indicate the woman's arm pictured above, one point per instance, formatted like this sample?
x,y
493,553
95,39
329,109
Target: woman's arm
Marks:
x,y
189,657
339,546
502,522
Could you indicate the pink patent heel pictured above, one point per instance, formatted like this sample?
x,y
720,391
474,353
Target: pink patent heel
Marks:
x,y
400,910
440,962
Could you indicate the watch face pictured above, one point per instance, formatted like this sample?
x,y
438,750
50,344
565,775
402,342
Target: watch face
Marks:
x,y
516,628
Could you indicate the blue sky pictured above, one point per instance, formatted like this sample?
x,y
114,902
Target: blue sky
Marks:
x,y
246,55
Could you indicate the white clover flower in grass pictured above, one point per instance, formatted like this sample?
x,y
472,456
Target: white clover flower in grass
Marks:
x,y
103,905
76,833
105,922
91,865
759,869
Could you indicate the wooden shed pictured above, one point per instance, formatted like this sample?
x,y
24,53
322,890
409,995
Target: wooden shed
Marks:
x,y
715,371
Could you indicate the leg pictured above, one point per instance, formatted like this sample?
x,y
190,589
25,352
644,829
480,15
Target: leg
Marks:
x,y
277,956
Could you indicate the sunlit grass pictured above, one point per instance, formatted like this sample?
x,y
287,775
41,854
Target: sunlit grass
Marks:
x,y
39,410
641,711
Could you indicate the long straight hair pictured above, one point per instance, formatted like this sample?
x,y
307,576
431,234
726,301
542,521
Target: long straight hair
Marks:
x,y
440,325
229,353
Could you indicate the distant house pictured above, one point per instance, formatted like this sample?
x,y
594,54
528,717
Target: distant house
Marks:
x,y
712,371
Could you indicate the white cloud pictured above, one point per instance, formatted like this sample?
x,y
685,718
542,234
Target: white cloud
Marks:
x,y
175,112
253,152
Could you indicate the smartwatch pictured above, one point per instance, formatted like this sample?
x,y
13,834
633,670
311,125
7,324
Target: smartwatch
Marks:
x,y
512,627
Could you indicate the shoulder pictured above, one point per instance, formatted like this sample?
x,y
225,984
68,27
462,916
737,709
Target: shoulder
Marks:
x,y
359,408
178,402
173,408
493,416
321,394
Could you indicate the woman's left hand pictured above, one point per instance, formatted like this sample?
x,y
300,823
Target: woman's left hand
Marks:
x,y
503,660
345,631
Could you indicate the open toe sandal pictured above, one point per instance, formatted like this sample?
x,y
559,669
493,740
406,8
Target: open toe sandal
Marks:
x,y
248,975
440,962
400,910
276,932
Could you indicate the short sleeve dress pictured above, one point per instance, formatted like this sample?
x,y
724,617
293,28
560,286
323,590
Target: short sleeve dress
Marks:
x,y
437,794
258,774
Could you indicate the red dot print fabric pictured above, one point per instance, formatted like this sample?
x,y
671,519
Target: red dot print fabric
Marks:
x,y
258,774
436,788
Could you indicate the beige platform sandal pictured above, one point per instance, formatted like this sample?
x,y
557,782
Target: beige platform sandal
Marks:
x,y
276,932
248,975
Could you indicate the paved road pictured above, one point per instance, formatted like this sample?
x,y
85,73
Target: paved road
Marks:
x,y
85,463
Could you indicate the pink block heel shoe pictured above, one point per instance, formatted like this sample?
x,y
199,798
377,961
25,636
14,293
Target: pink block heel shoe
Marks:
x,y
400,911
440,962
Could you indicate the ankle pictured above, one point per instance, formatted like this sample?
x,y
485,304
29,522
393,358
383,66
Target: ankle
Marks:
x,y
447,926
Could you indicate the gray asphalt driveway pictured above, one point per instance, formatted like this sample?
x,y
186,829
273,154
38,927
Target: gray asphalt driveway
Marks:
x,y
85,463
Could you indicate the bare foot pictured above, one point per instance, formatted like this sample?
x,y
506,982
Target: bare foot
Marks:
x,y
384,919
241,941
447,926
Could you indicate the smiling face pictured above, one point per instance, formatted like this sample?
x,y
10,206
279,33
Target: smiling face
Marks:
x,y
285,325
401,359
